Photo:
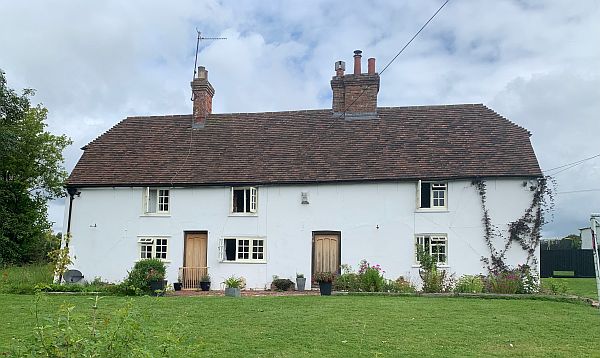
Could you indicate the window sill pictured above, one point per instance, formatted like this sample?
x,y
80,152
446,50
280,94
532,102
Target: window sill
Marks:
x,y
243,214
445,266
244,262
166,215
164,261
432,210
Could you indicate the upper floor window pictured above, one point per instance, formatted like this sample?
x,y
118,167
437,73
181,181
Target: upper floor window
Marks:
x,y
432,195
434,245
156,201
153,248
243,200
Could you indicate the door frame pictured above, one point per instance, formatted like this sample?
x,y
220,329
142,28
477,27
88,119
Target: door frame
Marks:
x,y
325,232
185,234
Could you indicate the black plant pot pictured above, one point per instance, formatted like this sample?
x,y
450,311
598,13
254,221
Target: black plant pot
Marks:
x,y
158,285
177,286
325,288
205,286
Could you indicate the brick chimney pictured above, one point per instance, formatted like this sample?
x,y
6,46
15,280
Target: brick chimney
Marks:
x,y
202,94
356,93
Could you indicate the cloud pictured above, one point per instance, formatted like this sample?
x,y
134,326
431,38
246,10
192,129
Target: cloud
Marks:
x,y
533,61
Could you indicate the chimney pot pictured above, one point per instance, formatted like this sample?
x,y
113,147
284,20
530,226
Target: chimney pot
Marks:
x,y
357,58
202,73
340,67
371,65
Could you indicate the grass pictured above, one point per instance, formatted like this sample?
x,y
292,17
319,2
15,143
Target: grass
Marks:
x,y
584,287
563,273
336,326
22,279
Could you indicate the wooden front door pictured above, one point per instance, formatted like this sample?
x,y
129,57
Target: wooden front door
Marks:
x,y
326,252
194,259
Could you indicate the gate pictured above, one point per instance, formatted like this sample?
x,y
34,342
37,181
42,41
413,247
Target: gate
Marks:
x,y
581,262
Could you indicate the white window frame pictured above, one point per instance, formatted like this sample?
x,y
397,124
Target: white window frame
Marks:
x,y
442,241
152,242
159,206
237,246
432,199
253,199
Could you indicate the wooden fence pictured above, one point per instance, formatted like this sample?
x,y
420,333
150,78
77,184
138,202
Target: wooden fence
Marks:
x,y
190,277
581,262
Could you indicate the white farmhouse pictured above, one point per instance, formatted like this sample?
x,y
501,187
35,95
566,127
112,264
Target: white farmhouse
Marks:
x,y
280,193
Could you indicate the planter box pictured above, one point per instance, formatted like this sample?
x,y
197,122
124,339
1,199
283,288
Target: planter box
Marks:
x,y
300,283
205,286
325,288
158,285
233,292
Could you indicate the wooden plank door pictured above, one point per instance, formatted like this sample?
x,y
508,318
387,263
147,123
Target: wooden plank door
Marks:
x,y
194,260
326,252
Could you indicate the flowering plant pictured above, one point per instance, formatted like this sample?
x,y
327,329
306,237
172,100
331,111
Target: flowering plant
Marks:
x,y
154,275
324,277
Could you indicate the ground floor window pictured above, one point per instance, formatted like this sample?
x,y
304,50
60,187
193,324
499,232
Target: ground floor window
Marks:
x,y
153,248
435,245
243,249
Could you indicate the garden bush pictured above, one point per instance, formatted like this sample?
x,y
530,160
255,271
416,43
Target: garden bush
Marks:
x,y
371,277
347,282
282,284
434,280
553,287
400,285
469,284
506,282
143,273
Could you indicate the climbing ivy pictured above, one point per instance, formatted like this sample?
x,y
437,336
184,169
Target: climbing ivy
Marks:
x,y
525,231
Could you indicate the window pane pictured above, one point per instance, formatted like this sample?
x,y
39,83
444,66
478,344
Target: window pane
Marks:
x,y
161,249
247,200
243,249
425,195
258,249
152,201
230,249
163,200
238,200
146,251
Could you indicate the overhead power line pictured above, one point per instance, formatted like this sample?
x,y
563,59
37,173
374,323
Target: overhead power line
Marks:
x,y
562,168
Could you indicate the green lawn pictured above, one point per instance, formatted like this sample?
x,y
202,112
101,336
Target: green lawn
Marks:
x,y
336,326
584,287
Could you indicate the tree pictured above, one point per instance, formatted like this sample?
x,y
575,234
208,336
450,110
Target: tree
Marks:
x,y
31,173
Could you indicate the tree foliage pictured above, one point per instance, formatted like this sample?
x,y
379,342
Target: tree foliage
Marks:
x,y
31,173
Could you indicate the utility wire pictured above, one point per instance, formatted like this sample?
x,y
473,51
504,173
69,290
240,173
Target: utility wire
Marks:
x,y
380,73
398,54
571,165
577,191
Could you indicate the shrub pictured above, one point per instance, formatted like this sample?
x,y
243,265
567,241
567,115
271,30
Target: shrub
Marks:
x,y
553,287
347,282
469,284
400,285
282,284
434,280
205,278
143,273
371,277
529,282
507,282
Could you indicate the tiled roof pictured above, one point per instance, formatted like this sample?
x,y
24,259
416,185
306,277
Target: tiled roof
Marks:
x,y
428,142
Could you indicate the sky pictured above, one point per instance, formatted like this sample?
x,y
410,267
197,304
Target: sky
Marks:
x,y
535,62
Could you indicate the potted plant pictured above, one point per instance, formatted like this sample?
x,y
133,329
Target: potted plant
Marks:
x,y
177,286
300,281
205,282
325,280
232,286
157,281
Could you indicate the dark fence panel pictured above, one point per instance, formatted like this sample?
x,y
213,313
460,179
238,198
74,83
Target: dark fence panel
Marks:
x,y
581,262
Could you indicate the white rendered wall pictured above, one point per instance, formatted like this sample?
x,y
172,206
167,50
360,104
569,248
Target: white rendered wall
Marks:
x,y
377,221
